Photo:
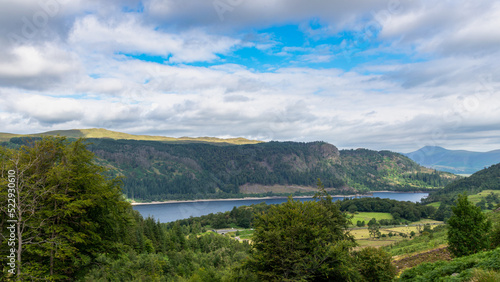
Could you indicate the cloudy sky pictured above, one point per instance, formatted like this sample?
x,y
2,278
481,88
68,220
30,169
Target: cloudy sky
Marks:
x,y
378,74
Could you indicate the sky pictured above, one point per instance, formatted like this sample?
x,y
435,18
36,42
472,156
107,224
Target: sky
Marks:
x,y
377,74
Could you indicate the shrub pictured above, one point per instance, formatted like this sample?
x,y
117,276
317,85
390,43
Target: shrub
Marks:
x,y
375,264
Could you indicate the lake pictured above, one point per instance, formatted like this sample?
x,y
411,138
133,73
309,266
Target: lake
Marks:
x,y
174,211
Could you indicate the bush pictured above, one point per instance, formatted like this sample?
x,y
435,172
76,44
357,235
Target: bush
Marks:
x,y
375,264
463,266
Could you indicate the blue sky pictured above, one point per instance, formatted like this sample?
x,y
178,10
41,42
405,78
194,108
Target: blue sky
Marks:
x,y
378,74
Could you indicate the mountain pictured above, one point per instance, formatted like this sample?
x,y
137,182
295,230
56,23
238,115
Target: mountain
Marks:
x,y
159,171
454,161
104,133
202,168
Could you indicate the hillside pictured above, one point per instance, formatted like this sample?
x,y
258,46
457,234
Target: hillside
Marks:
x,y
157,171
104,133
486,179
454,161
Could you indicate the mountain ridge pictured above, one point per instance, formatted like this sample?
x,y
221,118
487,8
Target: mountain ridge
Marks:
x,y
156,170
162,171
454,161
105,133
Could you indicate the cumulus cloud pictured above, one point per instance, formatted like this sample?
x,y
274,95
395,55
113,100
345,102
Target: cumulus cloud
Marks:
x,y
83,65
447,28
37,67
129,36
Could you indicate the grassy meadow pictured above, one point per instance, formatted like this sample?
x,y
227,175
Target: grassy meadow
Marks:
x,y
367,216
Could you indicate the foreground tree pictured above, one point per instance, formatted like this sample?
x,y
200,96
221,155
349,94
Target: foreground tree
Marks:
x,y
468,228
303,241
66,210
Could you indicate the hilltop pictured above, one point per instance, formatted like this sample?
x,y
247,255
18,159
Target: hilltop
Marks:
x,y
454,161
104,133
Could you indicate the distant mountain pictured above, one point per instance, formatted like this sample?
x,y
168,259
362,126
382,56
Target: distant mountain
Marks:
x,y
454,161
104,133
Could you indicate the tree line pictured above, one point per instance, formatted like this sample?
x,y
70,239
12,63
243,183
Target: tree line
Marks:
x,y
398,209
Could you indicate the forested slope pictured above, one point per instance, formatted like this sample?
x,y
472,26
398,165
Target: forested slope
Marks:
x,y
156,170
486,179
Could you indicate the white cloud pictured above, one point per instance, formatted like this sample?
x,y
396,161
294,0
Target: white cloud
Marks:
x,y
75,75
447,27
37,67
129,36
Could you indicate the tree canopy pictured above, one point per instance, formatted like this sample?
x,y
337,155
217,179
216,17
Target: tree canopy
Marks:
x,y
468,228
67,211
307,241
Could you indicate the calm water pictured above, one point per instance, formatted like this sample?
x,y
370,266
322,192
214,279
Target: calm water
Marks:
x,y
175,211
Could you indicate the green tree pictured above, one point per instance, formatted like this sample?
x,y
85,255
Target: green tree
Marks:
x,y
372,221
374,230
67,211
375,264
304,241
353,208
468,228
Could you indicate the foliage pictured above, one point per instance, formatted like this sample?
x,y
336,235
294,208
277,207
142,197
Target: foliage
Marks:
x,y
486,179
419,243
241,217
76,225
495,232
204,258
67,211
399,210
384,170
468,228
485,275
375,264
309,241
303,241
459,269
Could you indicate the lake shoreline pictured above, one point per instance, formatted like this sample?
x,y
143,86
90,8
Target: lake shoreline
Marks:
x,y
258,198
233,199
169,211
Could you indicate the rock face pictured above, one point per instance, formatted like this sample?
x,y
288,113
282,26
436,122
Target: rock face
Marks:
x,y
327,151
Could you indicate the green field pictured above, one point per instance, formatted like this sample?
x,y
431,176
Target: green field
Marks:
x,y
482,195
363,239
427,221
435,204
367,216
